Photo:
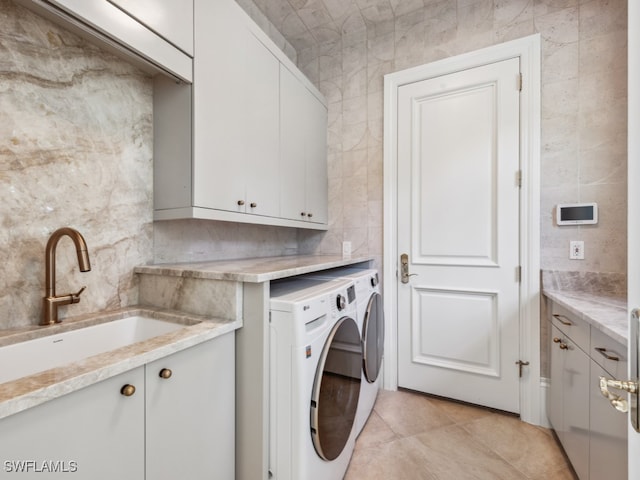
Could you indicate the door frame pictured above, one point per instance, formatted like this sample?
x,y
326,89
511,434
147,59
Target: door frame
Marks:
x,y
532,405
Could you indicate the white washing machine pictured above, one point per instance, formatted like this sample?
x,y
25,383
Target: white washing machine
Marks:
x,y
315,378
370,316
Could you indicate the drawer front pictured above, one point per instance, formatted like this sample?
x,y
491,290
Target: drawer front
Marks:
x,y
605,351
572,326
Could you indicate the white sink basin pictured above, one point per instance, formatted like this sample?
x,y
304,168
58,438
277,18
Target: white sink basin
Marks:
x,y
33,356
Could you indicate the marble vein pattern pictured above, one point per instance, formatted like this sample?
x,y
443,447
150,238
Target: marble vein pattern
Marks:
x,y
254,270
27,392
75,150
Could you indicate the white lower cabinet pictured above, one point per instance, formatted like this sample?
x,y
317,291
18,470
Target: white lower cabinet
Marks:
x,y
96,432
177,427
190,415
569,408
608,447
592,433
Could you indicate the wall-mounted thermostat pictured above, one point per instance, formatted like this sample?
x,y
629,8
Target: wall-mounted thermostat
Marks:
x,y
577,214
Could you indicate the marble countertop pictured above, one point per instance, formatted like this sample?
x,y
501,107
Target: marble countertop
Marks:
x,y
606,313
252,270
27,392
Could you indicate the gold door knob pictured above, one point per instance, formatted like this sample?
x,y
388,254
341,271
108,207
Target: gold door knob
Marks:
x,y
240,202
165,373
128,390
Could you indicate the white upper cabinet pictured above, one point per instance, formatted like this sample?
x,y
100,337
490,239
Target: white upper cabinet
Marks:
x,y
303,143
155,35
171,19
235,116
256,125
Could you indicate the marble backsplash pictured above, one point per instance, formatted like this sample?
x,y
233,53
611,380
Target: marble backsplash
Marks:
x,y
75,150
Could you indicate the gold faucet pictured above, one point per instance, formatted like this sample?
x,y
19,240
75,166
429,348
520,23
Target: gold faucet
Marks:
x,y
51,301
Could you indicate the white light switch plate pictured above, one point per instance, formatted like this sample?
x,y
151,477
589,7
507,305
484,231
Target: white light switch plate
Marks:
x,y
576,250
346,249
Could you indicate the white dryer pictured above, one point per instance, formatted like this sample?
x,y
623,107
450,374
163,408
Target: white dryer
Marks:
x,y
315,378
370,316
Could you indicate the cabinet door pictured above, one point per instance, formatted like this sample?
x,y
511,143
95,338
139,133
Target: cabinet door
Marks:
x,y
261,128
190,427
316,174
97,428
171,19
293,139
303,140
608,442
575,408
219,165
554,392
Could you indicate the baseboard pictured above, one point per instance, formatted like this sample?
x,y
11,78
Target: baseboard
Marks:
x,y
544,386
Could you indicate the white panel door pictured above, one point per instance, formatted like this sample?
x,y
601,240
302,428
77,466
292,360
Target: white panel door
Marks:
x,y
458,222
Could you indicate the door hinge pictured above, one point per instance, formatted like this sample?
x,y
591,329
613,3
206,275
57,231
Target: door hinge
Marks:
x,y
520,80
518,274
521,364
519,178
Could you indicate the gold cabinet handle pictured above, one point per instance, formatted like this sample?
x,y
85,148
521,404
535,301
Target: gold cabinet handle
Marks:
x,y
165,373
564,346
303,214
128,390
309,215
556,340
240,202
560,319
603,351
253,204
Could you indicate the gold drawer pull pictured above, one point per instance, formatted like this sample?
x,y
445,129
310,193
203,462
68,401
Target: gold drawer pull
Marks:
x,y
165,373
603,351
560,319
128,390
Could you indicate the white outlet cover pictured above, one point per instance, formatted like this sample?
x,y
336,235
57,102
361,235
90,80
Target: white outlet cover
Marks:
x,y
346,249
576,250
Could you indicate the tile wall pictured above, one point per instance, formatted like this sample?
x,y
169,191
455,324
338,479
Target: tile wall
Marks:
x,y
583,109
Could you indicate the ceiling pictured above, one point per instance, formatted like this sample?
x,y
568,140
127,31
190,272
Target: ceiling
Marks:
x,y
307,22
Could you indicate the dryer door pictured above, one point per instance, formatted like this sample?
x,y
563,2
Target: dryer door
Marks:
x,y
373,337
336,389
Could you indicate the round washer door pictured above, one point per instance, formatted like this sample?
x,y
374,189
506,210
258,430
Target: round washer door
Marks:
x,y
336,389
373,338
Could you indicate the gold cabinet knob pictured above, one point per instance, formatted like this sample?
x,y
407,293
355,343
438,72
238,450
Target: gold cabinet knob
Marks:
x,y
556,340
303,214
128,390
240,202
165,373
309,215
253,205
563,346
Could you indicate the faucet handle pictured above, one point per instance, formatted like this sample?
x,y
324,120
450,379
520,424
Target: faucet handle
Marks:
x,y
75,297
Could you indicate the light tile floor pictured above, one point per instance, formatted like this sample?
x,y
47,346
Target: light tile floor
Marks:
x,y
410,436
